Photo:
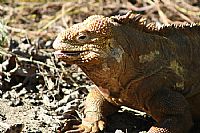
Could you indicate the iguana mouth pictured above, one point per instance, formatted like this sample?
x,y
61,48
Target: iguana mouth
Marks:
x,y
76,56
68,54
72,53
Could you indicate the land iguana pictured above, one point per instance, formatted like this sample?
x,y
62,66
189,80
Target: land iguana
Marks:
x,y
138,65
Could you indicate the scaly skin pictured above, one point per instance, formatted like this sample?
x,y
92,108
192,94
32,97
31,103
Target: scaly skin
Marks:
x,y
138,66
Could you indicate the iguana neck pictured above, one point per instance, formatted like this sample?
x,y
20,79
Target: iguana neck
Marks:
x,y
106,75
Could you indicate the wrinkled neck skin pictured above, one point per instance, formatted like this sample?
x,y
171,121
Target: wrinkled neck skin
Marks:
x,y
111,71
132,57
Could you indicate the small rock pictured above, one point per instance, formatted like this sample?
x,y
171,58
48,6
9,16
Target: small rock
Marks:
x,y
16,102
7,95
48,44
118,131
22,92
75,75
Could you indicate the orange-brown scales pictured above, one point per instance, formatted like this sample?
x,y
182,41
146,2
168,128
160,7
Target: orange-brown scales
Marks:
x,y
137,65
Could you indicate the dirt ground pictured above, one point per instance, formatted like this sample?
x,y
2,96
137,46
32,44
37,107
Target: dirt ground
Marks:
x,y
38,93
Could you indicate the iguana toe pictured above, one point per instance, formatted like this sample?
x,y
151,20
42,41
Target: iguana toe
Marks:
x,y
86,127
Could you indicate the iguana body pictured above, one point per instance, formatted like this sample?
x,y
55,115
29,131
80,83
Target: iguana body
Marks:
x,y
139,66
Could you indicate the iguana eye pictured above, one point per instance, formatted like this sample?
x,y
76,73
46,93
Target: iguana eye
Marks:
x,y
82,37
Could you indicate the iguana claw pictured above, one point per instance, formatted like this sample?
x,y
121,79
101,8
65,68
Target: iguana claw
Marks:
x,y
85,127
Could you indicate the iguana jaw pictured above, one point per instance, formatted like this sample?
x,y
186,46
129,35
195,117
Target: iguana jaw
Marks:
x,y
73,53
68,54
76,56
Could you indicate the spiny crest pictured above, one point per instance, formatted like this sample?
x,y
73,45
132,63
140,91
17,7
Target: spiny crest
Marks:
x,y
135,21
182,27
140,23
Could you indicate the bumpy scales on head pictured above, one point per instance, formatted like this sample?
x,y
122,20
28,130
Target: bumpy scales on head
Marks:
x,y
85,41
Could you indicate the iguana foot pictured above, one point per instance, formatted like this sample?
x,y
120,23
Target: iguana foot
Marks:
x,y
154,129
87,126
95,111
91,127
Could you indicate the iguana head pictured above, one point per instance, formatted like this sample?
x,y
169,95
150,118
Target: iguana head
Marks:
x,y
85,42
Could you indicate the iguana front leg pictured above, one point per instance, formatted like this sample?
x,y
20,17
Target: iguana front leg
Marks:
x,y
171,111
96,109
